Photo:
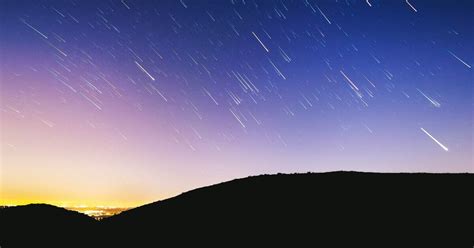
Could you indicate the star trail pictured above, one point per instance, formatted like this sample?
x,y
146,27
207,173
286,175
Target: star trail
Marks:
x,y
125,102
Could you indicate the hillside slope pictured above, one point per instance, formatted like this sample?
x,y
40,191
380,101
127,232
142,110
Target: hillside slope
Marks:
x,y
42,225
342,208
313,207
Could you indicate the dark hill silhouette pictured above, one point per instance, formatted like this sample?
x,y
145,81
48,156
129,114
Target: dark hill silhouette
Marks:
x,y
42,225
341,208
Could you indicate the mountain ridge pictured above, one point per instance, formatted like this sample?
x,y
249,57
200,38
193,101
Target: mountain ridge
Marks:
x,y
309,207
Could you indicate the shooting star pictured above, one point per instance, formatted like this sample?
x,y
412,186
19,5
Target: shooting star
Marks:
x,y
411,6
261,43
145,71
435,140
34,29
349,80
460,60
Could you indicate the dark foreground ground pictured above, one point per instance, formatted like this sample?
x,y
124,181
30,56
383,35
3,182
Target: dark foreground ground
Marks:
x,y
335,209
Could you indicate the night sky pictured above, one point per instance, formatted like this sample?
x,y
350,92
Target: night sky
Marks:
x,y
127,102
